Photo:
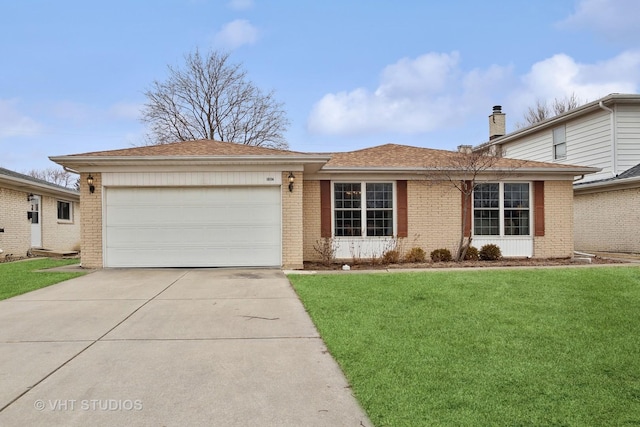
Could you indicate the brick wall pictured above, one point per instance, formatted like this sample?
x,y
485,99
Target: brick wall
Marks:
x,y
59,235
608,221
434,216
292,222
558,216
16,239
91,225
434,219
311,219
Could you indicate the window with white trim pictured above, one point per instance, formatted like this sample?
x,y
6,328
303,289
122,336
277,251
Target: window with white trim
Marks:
x,y
502,209
559,143
65,210
363,213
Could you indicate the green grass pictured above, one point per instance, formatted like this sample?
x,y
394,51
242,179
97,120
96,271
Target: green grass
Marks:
x,y
20,277
552,347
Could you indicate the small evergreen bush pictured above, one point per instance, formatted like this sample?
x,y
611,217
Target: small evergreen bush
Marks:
x,y
441,255
490,252
391,257
472,254
416,255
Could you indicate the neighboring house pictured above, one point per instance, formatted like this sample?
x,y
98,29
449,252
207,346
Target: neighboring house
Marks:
x,y
603,134
36,214
214,204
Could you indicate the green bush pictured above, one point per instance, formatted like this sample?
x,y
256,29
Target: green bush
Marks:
x,y
490,252
472,254
391,257
416,255
441,255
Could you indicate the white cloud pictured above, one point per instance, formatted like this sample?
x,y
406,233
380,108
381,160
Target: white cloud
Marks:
x,y
241,4
414,96
434,92
14,123
561,76
236,33
612,18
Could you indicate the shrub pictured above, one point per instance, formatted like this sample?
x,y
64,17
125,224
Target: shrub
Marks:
x,y
441,255
416,255
472,254
490,252
326,248
391,257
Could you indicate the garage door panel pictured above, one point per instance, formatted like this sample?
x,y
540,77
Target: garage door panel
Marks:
x,y
191,227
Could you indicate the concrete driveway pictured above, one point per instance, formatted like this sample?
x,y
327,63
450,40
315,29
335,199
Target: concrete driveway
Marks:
x,y
168,347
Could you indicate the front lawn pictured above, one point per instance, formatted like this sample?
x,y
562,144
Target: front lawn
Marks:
x,y
20,276
515,348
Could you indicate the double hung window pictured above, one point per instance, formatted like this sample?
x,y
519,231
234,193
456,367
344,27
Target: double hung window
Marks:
x,y
363,213
502,209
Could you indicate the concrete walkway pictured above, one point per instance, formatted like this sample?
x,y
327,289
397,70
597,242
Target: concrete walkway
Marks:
x,y
168,347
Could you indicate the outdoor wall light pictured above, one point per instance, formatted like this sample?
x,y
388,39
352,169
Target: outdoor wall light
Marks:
x,y
291,178
90,182
30,197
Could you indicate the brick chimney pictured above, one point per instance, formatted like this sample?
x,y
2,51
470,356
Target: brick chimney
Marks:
x,y
497,123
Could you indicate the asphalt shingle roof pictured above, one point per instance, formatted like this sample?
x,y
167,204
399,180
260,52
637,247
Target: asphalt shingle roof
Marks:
x,y
14,174
201,147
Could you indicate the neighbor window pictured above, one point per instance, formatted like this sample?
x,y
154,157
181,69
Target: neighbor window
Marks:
x,y
64,210
501,209
363,213
559,143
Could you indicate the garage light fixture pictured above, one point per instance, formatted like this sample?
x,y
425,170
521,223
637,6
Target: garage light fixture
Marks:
x,y
90,182
291,178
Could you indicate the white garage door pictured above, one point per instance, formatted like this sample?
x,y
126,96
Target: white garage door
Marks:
x,y
193,227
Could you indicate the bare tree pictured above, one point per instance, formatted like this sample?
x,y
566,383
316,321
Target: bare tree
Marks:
x,y
56,176
542,110
211,98
463,171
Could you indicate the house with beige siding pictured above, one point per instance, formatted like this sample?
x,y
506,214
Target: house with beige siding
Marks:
x,y
604,134
35,214
217,204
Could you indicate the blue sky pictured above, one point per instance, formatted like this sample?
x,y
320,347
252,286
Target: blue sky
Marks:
x,y
351,74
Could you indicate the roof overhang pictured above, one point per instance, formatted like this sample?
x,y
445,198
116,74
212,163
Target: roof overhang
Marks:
x,y
608,185
311,163
27,186
567,171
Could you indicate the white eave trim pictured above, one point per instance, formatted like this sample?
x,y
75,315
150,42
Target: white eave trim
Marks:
x,y
573,171
28,186
608,185
83,161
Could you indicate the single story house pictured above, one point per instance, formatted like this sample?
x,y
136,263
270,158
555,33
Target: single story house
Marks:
x,y
604,134
36,214
214,204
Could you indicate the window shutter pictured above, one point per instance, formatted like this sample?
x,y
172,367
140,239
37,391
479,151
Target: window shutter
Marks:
x,y
401,199
466,200
325,208
538,204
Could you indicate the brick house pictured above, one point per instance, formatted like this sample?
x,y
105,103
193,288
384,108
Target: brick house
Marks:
x,y
604,134
36,214
211,204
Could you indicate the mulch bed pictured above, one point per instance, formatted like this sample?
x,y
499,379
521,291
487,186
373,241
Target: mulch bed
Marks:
x,y
510,262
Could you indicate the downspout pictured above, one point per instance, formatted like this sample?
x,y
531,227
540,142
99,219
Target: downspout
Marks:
x,y
614,138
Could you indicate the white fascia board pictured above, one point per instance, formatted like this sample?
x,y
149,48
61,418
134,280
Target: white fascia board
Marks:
x,y
82,163
616,184
27,186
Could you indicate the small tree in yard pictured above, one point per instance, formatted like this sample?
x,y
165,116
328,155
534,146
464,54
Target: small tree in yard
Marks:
x,y
463,171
